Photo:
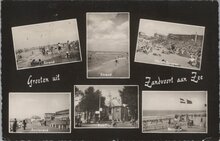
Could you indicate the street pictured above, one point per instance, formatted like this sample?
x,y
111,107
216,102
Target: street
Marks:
x,y
126,124
37,127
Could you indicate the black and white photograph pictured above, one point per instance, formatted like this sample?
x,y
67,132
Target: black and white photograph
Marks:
x,y
39,112
106,106
108,45
110,70
170,44
45,44
174,112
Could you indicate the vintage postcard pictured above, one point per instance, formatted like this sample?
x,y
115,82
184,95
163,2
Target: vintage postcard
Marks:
x,y
106,106
108,45
45,44
174,112
170,44
39,112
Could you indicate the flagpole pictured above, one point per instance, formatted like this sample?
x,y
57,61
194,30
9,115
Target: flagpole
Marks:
x,y
99,108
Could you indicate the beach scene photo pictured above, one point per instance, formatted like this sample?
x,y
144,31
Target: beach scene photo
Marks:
x,y
106,106
174,112
170,44
108,45
39,113
45,44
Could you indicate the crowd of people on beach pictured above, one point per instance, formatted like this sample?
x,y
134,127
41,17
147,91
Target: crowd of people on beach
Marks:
x,y
59,49
188,49
177,123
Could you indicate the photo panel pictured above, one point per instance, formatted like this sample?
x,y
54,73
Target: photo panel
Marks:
x,y
108,45
106,106
46,44
174,112
39,112
170,44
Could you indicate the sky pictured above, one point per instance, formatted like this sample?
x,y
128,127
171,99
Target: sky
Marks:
x,y
170,100
25,105
108,31
106,91
149,27
44,33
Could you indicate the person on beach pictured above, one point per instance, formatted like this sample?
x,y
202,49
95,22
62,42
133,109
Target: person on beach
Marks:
x,y
177,125
116,61
114,123
14,126
67,54
192,60
24,124
59,49
68,45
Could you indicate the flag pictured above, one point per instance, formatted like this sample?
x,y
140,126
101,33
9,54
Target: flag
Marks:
x,y
189,101
182,100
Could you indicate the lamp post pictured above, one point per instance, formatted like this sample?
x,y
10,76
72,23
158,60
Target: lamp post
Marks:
x,y
110,106
124,105
99,108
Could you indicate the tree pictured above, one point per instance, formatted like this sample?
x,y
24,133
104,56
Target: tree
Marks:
x,y
129,97
91,101
78,92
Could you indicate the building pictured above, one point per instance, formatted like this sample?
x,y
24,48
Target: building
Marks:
x,y
120,113
62,115
194,37
59,119
156,35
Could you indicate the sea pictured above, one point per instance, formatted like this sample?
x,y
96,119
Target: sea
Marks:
x,y
169,112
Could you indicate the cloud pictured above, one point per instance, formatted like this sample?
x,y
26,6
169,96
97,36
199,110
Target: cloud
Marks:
x,y
123,27
94,18
23,105
45,33
171,100
115,36
108,45
105,32
150,27
101,28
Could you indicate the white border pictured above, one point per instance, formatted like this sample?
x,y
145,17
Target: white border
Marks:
x,y
206,93
44,93
135,60
129,60
77,34
109,127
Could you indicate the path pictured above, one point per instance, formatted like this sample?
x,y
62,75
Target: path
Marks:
x,y
36,127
